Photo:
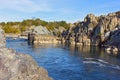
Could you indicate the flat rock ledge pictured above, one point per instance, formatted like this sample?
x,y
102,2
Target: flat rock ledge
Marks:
x,y
18,66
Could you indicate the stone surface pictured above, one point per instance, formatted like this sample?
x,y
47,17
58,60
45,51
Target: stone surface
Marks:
x,y
114,40
2,39
40,30
41,39
94,30
18,66
41,35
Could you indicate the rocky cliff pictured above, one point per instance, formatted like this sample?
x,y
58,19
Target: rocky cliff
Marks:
x,y
40,35
18,66
94,30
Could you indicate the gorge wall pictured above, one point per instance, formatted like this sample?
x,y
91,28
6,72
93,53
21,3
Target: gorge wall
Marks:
x,y
101,30
18,66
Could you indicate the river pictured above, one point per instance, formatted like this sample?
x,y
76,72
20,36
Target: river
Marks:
x,y
71,62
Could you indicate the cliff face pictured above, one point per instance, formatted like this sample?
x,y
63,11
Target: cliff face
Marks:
x,y
41,35
18,66
93,30
41,39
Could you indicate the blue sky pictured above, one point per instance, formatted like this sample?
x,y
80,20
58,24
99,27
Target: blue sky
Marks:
x,y
55,10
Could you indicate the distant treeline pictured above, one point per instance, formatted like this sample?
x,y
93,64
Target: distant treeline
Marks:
x,y
18,27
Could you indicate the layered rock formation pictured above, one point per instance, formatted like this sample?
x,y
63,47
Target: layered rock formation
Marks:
x,y
41,39
41,35
18,66
93,30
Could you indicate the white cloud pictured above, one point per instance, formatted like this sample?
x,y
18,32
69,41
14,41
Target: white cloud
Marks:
x,y
28,6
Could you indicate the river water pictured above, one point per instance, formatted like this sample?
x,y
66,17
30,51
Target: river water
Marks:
x,y
71,62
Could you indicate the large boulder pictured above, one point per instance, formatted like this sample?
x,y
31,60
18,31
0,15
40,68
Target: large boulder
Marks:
x,y
41,30
18,66
114,39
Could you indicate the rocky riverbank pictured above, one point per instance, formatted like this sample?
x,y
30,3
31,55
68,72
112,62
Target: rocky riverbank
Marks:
x,y
95,30
42,39
41,35
18,66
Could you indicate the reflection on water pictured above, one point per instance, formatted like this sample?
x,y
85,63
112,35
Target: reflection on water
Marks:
x,y
92,52
71,62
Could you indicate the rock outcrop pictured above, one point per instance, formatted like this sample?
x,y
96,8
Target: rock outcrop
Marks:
x,y
36,30
42,39
93,30
40,30
18,66
113,43
41,35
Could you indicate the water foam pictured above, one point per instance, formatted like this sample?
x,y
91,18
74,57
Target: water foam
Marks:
x,y
100,62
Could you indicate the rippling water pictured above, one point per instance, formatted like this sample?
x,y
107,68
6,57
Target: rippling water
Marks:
x,y
71,62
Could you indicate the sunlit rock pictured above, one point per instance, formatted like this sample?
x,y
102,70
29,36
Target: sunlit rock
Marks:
x,y
18,66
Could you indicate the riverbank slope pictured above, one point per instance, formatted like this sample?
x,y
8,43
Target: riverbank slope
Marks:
x,y
18,66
